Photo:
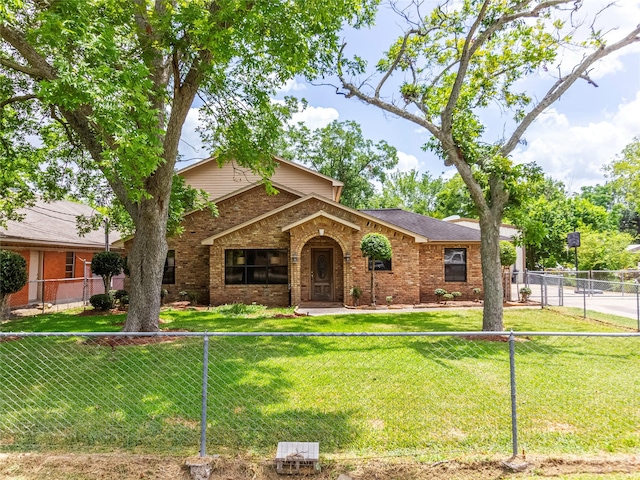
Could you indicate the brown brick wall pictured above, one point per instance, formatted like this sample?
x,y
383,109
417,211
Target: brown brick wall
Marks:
x,y
432,271
193,259
417,269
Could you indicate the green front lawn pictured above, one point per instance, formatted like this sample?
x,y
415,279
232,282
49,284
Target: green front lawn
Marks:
x,y
432,396
250,318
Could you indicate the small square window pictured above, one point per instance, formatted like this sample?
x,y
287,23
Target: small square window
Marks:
x,y
381,265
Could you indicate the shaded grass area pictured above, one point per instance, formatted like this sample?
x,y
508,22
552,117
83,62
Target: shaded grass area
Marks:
x,y
433,396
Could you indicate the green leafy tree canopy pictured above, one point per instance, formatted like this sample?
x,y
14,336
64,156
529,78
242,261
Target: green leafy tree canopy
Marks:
x,y
340,151
508,253
105,87
456,63
107,265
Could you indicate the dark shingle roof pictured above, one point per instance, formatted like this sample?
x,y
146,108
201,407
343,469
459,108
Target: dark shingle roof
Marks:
x,y
432,228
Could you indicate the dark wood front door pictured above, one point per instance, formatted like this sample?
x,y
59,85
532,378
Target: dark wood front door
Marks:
x,y
322,275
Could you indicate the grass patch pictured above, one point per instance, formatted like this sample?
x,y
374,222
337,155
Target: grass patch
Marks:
x,y
432,396
617,320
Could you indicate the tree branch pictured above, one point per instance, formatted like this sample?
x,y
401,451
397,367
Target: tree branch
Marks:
x,y
465,58
40,67
390,107
19,98
472,45
32,72
395,63
563,84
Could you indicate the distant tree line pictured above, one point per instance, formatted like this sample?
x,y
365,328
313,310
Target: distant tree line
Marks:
x,y
607,216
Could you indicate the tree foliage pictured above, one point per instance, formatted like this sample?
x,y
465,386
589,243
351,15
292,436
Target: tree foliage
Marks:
x,y
454,64
340,151
605,250
410,191
377,247
624,172
104,88
508,253
13,276
107,265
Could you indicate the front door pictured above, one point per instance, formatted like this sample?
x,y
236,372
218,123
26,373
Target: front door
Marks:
x,y
322,275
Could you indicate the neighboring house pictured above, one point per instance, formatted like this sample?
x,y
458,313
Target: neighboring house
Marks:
x,y
47,238
301,245
507,231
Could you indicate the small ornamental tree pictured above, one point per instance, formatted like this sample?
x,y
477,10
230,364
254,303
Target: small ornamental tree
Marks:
x,y
107,265
508,254
508,257
13,276
377,247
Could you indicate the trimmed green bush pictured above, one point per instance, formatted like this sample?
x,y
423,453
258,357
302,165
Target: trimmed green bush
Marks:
x,y
102,301
356,293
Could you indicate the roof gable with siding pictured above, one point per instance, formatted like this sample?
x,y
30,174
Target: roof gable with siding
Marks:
x,y
221,181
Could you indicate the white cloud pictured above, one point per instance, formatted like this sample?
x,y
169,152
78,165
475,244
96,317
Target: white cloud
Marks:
x,y
407,162
292,85
614,20
575,153
315,117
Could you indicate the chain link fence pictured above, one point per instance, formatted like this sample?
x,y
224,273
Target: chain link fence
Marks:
x,y
428,394
62,293
586,292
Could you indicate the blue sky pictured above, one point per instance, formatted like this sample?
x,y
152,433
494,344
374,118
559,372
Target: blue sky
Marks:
x,y
571,141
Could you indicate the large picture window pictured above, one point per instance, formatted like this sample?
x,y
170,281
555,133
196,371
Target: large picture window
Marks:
x,y
256,267
169,275
455,264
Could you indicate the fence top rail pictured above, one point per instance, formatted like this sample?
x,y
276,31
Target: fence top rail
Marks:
x,y
318,334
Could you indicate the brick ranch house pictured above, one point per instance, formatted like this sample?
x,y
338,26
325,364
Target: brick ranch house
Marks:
x,y
56,255
301,245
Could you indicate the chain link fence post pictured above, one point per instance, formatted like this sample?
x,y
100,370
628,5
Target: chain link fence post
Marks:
x,y
203,414
512,375
638,305
584,300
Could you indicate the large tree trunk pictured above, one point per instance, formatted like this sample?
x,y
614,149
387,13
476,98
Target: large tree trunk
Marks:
x,y
146,263
491,272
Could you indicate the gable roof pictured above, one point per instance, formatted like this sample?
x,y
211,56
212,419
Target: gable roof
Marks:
x,y
324,214
334,182
436,230
246,188
419,238
54,224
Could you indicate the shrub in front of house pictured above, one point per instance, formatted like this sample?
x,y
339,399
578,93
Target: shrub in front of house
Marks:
x,y
440,292
476,293
356,293
102,301
525,292
456,294
446,297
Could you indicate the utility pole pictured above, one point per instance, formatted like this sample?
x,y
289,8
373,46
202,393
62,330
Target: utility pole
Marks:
x,y
106,234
